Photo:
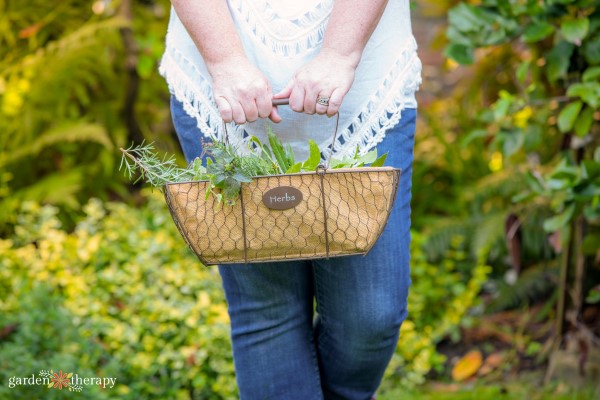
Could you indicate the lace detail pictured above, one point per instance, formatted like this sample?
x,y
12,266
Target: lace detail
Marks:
x,y
285,35
382,110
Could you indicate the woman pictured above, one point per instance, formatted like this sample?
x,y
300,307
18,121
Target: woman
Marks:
x,y
228,60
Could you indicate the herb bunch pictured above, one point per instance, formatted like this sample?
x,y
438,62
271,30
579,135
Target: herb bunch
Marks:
x,y
226,168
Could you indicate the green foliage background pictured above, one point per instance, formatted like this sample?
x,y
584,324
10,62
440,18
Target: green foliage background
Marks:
x,y
106,287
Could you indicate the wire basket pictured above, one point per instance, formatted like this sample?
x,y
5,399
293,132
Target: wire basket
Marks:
x,y
320,214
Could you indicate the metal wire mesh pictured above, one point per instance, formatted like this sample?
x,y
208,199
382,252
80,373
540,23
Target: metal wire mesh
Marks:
x,y
342,212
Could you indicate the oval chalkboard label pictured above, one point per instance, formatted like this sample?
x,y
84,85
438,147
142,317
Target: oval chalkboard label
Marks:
x,y
282,198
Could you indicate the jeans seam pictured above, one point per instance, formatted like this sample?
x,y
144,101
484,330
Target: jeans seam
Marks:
x,y
316,339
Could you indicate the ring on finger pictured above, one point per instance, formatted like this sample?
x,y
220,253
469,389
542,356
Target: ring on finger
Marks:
x,y
323,100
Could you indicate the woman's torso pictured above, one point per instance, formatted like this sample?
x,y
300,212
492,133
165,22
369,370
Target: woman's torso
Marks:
x,y
279,36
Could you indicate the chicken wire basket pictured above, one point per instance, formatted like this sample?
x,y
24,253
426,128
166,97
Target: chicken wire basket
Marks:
x,y
320,214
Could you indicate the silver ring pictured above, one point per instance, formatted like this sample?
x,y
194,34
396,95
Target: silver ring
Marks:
x,y
322,100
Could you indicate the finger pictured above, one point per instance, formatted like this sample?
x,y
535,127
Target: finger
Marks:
x,y
297,99
285,92
321,108
264,104
224,109
250,110
238,113
310,99
275,117
335,101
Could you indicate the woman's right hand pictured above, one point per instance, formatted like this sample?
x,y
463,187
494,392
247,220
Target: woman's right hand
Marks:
x,y
242,93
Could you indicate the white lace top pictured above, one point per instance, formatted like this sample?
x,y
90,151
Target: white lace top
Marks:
x,y
280,35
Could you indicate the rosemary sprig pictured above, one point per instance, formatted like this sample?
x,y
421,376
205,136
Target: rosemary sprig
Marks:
x,y
152,169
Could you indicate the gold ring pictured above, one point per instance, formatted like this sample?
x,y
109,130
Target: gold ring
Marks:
x,y
322,100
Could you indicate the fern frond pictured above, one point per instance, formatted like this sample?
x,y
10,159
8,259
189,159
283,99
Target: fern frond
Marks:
x,y
70,133
534,284
441,234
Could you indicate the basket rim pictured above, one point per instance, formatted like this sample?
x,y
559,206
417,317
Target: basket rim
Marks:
x,y
327,171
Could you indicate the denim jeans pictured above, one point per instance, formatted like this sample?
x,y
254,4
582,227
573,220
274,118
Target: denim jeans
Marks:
x,y
284,351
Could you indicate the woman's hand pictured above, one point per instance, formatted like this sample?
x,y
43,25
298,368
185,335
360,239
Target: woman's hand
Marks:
x,y
329,75
241,91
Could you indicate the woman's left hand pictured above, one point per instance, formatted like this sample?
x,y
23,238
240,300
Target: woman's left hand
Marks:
x,y
328,76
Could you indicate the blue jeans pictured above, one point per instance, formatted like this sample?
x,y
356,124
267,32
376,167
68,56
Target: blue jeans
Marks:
x,y
281,350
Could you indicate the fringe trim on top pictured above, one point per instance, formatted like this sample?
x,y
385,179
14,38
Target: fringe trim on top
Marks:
x,y
311,27
382,110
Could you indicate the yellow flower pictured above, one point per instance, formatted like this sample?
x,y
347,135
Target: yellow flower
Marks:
x,y
496,163
12,103
522,117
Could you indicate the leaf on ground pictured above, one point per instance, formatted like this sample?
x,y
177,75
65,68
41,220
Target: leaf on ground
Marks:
x,y
491,363
467,366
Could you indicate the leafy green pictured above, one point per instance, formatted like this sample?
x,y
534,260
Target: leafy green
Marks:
x,y
284,157
226,168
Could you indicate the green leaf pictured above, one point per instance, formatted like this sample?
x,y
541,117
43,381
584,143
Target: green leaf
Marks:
x,y
232,188
278,151
346,162
219,197
534,183
575,30
294,168
591,50
241,177
533,138
465,17
565,171
591,169
583,124
511,141
380,161
502,105
568,115
589,92
591,74
367,158
460,53
555,223
537,31
314,158
591,244
522,71
289,154
558,61
593,296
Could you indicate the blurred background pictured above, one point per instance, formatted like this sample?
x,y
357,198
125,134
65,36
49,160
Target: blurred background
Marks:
x,y
505,302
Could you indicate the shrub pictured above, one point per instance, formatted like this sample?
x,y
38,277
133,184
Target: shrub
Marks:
x,y
439,299
120,296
